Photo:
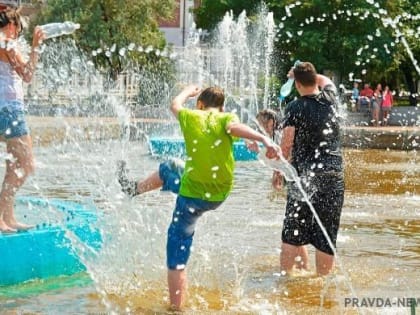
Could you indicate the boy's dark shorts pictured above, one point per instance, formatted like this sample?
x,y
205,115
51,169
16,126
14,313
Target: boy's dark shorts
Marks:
x,y
300,227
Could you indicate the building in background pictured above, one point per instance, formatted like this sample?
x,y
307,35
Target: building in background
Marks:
x,y
176,30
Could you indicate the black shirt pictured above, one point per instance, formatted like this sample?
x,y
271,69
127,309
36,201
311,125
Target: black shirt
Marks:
x,y
316,146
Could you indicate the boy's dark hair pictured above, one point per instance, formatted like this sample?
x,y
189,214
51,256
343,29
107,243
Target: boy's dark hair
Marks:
x,y
305,73
212,97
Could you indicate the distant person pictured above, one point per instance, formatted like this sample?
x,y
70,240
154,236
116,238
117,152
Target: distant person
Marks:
x,y
387,103
13,128
355,94
311,142
376,104
365,98
205,181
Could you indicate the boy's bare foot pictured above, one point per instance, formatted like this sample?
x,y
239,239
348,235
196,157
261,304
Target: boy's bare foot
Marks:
x,y
129,187
4,228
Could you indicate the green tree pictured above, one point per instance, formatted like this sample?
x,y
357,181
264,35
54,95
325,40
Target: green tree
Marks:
x,y
344,36
407,30
210,12
111,25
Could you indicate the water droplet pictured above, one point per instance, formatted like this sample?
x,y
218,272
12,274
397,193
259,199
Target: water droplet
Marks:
x,y
122,52
20,173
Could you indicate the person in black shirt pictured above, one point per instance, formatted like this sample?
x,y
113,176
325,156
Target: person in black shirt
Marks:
x,y
311,143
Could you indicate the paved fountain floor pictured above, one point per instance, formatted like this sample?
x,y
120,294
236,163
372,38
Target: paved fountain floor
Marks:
x,y
47,129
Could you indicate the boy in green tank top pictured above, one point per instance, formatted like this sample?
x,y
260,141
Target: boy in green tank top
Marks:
x,y
206,179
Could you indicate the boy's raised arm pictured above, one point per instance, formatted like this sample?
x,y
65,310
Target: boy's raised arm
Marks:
x,y
178,102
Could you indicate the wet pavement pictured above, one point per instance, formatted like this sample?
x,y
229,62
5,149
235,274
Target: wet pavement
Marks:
x,y
48,129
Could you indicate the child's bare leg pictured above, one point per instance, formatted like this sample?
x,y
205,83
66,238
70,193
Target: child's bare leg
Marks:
x,y
385,116
177,283
17,170
150,183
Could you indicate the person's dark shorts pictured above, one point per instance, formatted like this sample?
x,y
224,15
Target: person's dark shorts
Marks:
x,y
12,122
326,194
170,172
375,105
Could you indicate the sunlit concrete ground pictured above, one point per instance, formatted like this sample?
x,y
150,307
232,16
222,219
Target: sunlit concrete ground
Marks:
x,y
46,130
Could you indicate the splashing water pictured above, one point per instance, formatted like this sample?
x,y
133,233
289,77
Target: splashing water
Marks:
x,y
139,225
290,174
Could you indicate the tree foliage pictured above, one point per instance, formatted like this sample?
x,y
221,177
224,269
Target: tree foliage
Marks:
x,y
210,12
352,38
111,24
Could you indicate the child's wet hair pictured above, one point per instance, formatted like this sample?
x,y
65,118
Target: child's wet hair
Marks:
x,y
212,97
11,15
267,114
